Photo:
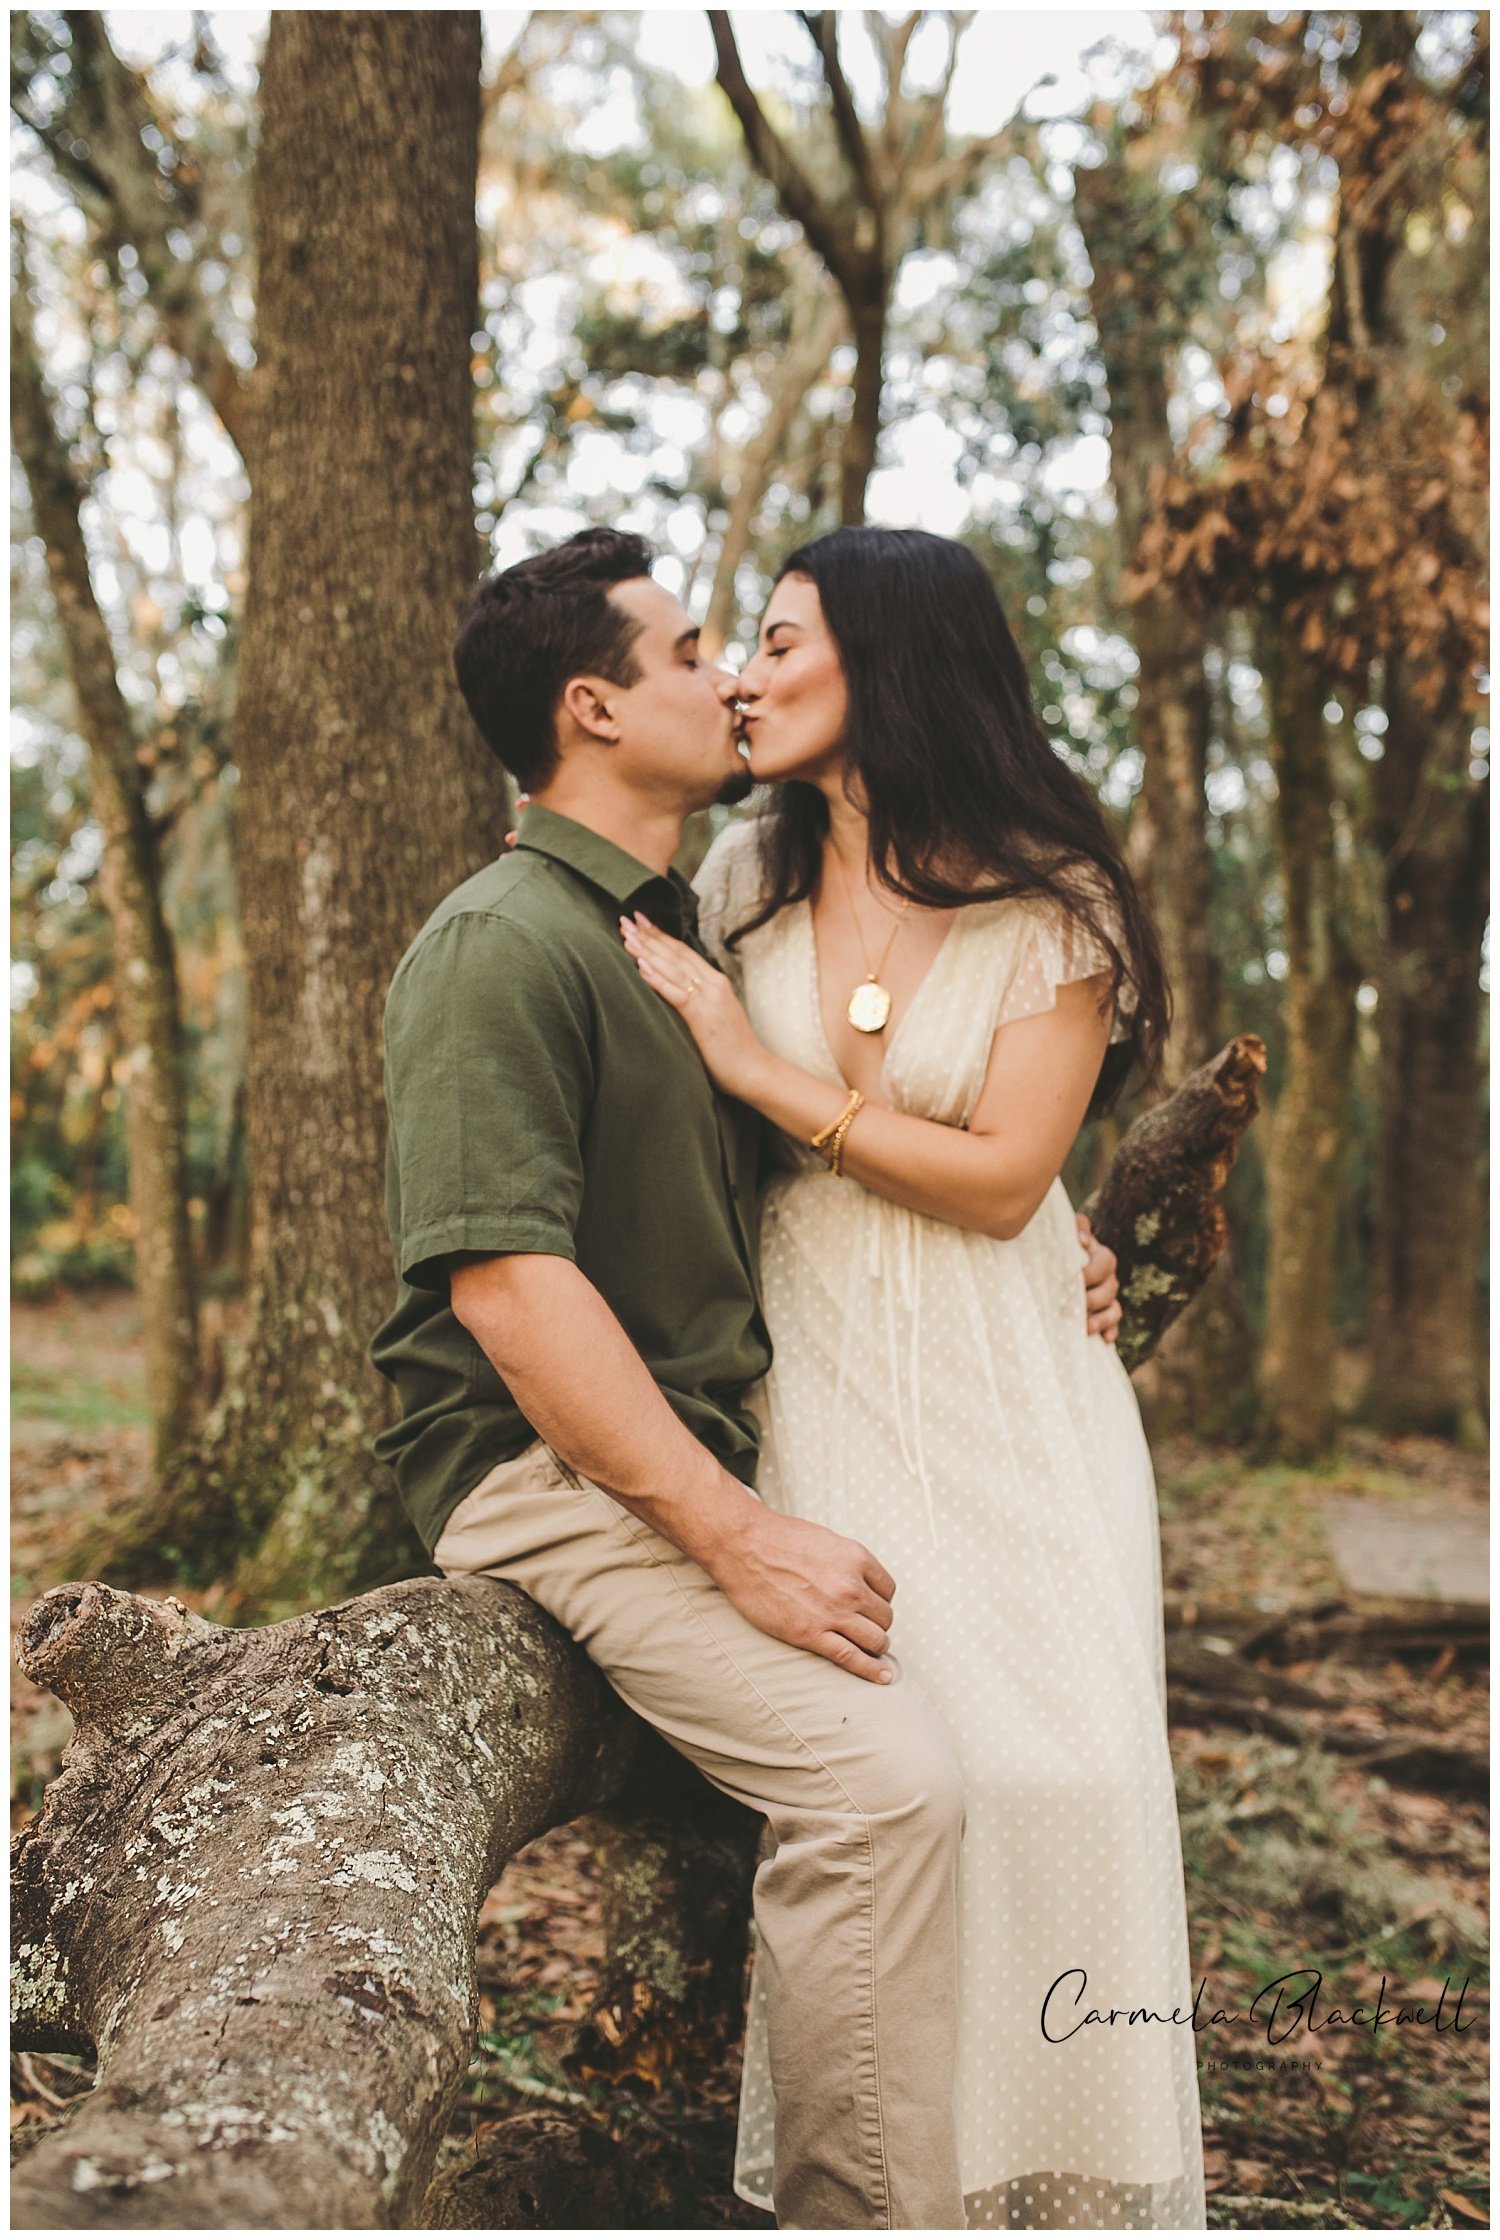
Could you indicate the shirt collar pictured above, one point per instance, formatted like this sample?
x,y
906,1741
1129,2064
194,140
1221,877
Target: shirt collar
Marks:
x,y
627,881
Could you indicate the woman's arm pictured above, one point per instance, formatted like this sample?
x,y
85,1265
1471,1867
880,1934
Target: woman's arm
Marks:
x,y
990,1176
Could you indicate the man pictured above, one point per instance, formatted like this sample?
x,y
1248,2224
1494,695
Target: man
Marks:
x,y
576,1329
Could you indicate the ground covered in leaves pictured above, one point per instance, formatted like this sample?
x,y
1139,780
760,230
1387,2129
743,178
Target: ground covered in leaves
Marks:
x,y
1298,1862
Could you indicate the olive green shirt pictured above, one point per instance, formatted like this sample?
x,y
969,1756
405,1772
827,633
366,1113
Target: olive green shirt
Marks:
x,y
542,1098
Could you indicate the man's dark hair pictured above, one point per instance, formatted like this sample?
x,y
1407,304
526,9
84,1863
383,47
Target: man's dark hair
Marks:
x,y
531,627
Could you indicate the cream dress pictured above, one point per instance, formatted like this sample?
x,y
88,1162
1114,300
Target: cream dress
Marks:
x,y
935,1394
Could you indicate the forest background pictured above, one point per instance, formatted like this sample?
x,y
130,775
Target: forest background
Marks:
x,y
1188,340
1188,344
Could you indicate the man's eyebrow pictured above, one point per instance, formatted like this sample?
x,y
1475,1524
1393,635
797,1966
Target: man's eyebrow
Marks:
x,y
688,638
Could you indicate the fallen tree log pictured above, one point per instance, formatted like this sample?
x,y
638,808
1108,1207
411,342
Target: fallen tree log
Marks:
x,y
1158,1207
1221,1686
676,1863
1406,1756
563,2170
254,1890
1431,1630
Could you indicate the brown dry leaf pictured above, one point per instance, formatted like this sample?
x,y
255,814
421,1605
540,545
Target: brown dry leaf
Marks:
x,y
1463,2207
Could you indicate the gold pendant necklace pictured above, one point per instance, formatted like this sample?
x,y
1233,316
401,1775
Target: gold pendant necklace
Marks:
x,y
870,1004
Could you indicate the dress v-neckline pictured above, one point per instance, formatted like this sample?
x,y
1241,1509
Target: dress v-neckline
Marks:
x,y
820,1024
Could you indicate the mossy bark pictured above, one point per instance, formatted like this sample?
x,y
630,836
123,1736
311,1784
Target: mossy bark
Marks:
x,y
677,1863
364,793
253,1893
254,1890
1159,1206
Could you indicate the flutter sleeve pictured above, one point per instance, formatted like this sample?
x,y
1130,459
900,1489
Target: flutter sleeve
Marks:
x,y
727,885
1056,948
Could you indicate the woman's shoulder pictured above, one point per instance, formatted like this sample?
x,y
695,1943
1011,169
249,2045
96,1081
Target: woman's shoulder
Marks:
x,y
729,877
1082,881
1027,946
737,840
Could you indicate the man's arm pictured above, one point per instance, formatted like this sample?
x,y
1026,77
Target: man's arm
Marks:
x,y
1101,1284
580,1383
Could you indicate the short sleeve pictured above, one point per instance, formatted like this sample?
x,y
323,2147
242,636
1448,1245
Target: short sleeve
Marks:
x,y
489,1080
728,889
1056,948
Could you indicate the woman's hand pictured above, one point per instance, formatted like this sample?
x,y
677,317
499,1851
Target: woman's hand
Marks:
x,y
711,1010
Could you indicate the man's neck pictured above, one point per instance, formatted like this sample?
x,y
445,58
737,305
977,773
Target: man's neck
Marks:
x,y
644,830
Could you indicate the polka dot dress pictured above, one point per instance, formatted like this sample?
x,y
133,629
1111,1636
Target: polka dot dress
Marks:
x,y
934,1393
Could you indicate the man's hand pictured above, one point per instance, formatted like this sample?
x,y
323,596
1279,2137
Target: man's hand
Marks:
x,y
537,1316
1101,1289
807,1585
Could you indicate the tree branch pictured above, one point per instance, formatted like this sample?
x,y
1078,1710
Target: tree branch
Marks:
x,y
108,160
954,175
1158,1208
822,27
55,498
818,321
131,882
833,241
930,137
320,1806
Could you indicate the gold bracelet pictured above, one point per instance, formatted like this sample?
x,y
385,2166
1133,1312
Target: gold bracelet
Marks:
x,y
836,1161
830,1140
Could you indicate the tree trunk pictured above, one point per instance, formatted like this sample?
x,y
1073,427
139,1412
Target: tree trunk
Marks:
x,y
1202,1378
1172,725
1429,824
364,793
254,1890
1308,1126
868,312
677,1862
1115,212
145,960
571,2170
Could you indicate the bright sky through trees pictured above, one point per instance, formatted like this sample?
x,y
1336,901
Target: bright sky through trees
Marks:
x,y
1007,54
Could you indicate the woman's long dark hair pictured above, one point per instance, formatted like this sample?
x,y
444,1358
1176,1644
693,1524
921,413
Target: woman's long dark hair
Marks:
x,y
967,799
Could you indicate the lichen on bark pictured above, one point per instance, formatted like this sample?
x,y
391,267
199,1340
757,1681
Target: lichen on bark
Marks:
x,y
253,1889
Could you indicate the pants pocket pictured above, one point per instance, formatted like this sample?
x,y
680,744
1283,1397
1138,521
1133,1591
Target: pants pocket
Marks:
x,y
560,1473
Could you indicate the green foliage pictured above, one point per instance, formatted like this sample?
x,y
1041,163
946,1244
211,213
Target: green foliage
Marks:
x,y
639,285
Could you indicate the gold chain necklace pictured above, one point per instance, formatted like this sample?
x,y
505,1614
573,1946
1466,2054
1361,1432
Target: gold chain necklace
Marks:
x,y
870,1004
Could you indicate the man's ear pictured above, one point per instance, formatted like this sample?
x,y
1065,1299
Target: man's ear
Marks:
x,y
586,703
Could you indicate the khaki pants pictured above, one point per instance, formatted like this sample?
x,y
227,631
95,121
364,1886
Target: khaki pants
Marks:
x,y
857,1904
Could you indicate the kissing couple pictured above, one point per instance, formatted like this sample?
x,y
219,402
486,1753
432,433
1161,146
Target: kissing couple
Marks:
x,y
743,1322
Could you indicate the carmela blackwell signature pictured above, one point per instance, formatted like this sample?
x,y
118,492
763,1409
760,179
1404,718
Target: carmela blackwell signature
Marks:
x,y
1286,2004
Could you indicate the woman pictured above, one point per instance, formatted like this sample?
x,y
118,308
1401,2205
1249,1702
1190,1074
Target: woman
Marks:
x,y
921,939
